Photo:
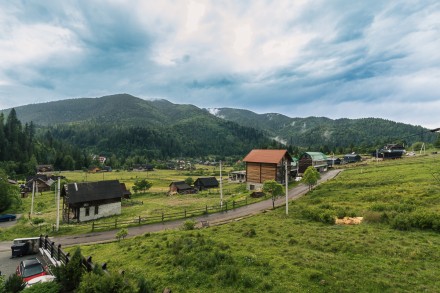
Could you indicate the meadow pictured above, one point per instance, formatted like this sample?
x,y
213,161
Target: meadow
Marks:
x,y
152,203
395,248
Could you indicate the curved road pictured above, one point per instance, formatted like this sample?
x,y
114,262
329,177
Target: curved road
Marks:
x,y
213,219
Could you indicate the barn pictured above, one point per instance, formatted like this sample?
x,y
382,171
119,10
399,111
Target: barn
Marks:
x,y
315,159
352,158
88,201
262,165
180,187
203,183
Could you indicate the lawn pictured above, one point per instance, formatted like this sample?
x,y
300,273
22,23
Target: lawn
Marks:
x,y
150,204
302,252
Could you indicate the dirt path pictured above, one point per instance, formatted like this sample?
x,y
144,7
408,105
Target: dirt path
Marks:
x,y
213,219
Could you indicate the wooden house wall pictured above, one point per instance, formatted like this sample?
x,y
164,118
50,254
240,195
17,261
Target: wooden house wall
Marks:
x,y
260,172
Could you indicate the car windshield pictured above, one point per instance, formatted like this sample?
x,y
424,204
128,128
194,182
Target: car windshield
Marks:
x,y
32,270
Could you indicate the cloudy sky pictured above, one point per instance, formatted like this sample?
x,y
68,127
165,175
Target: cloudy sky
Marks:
x,y
339,59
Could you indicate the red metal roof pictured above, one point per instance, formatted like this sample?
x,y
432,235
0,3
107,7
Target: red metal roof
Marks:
x,y
266,156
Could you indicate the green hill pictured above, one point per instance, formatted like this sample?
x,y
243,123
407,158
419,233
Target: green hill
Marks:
x,y
321,132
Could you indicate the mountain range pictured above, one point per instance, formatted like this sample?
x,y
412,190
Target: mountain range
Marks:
x,y
126,124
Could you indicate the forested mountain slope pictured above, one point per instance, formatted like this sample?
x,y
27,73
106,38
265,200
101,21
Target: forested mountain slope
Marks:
x,y
129,125
316,132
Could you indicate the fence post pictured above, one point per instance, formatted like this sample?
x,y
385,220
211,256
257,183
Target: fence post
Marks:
x,y
116,223
59,252
51,249
139,220
206,208
40,241
163,217
185,213
45,241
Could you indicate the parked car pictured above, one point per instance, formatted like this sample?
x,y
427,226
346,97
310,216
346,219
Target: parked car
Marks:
x,y
40,279
7,217
25,246
30,268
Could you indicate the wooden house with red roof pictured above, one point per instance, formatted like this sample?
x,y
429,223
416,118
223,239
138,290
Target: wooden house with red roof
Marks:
x,y
262,165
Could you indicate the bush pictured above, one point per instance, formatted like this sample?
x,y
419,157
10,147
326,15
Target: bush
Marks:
x,y
188,225
250,233
37,221
121,234
97,283
401,222
69,276
14,284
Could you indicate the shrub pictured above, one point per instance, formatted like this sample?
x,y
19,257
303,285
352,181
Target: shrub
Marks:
x,y
373,217
69,276
37,221
250,233
188,225
14,284
401,222
121,234
96,283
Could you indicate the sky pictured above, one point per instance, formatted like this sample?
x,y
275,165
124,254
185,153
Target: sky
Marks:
x,y
337,59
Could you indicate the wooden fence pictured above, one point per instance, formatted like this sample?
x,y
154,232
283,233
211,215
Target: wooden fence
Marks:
x,y
56,253
169,216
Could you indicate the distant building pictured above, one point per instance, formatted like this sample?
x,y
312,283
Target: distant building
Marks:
x,y
203,183
262,165
237,176
331,162
91,200
352,158
316,159
180,187
391,151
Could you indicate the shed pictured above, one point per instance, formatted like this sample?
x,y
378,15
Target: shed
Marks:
x,y
262,165
391,151
91,200
180,187
203,183
315,159
352,158
333,161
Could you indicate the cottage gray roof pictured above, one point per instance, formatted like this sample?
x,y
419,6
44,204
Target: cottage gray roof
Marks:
x,y
91,191
206,182
181,185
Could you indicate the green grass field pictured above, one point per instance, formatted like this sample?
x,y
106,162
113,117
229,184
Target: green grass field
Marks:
x,y
152,203
302,252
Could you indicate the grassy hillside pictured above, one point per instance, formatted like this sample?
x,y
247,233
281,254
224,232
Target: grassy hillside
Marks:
x,y
303,252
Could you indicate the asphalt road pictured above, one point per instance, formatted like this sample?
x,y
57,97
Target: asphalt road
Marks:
x,y
8,265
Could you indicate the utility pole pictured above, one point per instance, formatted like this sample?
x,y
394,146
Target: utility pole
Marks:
x,y
33,194
221,187
287,190
58,203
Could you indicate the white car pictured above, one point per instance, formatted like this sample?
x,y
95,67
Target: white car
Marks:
x,y
41,279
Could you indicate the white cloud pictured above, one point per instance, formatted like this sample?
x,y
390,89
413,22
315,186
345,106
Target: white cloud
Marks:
x,y
284,55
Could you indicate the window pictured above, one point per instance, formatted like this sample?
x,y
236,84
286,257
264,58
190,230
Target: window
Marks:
x,y
87,211
252,187
96,210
